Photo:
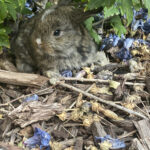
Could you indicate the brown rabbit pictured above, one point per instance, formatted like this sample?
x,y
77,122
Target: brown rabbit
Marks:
x,y
52,41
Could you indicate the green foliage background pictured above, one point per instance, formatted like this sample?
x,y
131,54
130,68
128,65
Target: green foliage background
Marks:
x,y
8,12
113,9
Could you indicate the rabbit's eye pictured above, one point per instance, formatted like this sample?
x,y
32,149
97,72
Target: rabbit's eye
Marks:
x,y
57,33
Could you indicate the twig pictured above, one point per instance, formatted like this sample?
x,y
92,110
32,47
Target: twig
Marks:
x,y
90,87
74,103
68,131
100,81
4,111
130,76
128,134
102,100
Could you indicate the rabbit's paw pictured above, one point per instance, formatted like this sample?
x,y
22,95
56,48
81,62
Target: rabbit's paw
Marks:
x,y
54,76
24,67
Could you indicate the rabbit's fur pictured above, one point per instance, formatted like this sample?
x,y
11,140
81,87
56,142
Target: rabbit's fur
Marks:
x,y
37,46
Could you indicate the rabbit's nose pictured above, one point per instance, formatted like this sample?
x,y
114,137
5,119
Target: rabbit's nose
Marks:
x,y
46,48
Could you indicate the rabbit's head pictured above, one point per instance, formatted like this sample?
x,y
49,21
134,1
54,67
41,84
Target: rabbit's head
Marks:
x,y
58,32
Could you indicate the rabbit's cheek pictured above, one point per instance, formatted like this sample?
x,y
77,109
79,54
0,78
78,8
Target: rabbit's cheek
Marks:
x,y
48,50
43,47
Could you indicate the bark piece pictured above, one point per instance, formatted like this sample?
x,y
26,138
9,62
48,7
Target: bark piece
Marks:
x,y
148,84
143,127
23,79
79,144
31,112
127,125
136,145
98,130
70,142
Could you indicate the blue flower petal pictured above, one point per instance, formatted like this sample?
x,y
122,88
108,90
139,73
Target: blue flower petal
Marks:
x,y
128,43
67,73
141,41
116,40
124,54
32,98
32,142
40,138
116,143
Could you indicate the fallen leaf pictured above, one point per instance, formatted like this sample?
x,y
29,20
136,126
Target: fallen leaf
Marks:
x,y
114,84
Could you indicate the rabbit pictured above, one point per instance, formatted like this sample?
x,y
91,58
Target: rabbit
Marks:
x,y
52,41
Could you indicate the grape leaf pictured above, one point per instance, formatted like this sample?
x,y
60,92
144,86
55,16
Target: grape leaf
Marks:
x,y
147,5
48,5
12,10
93,4
93,33
110,11
89,22
136,4
126,8
4,39
118,26
3,10
21,3
2,31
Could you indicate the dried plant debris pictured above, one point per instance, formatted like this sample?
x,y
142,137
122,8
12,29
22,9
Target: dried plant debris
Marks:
x,y
67,114
31,112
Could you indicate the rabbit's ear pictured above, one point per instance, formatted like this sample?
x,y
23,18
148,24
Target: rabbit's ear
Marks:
x,y
64,2
78,14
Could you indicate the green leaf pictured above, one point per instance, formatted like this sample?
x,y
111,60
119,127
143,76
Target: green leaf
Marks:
x,y
109,3
8,10
21,3
108,12
136,4
3,11
4,39
83,1
126,8
2,31
88,23
93,33
48,5
93,4
147,5
95,36
118,26
4,42
26,11
12,10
